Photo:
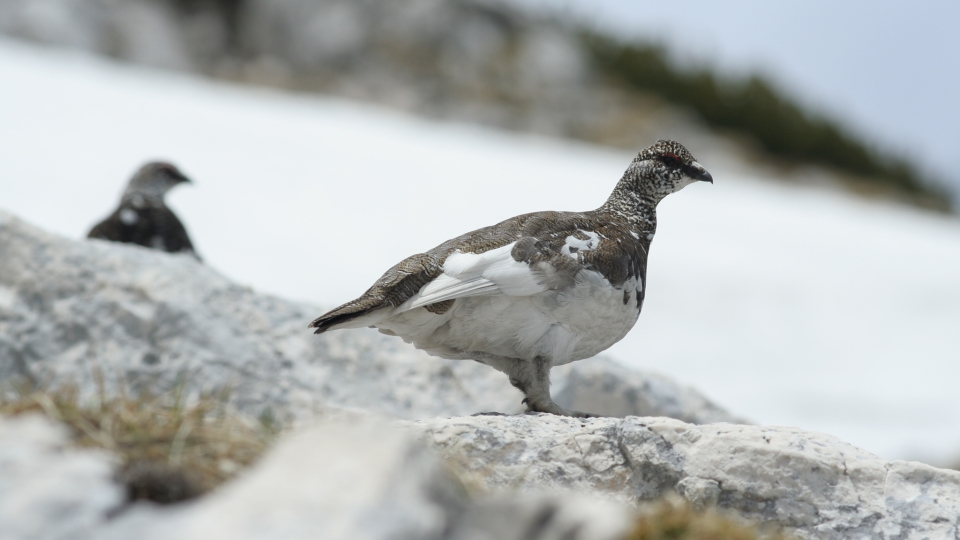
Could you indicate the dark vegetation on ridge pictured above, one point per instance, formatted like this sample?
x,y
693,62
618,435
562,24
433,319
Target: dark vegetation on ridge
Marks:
x,y
781,128
756,108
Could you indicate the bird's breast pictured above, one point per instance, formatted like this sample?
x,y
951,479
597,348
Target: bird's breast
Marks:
x,y
564,325
598,313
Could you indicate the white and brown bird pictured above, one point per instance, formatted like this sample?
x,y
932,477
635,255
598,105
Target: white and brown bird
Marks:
x,y
142,217
535,291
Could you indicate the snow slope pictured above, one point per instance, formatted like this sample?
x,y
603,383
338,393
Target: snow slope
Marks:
x,y
790,305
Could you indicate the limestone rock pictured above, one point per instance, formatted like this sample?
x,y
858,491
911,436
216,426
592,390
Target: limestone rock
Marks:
x,y
604,387
811,483
356,477
78,310
566,516
47,490
359,479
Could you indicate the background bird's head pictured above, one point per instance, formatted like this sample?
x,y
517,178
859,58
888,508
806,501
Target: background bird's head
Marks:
x,y
664,168
154,179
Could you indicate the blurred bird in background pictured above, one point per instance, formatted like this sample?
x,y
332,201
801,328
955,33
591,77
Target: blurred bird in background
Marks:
x,y
143,218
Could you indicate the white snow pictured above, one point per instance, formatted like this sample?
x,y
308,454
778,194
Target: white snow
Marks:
x,y
790,305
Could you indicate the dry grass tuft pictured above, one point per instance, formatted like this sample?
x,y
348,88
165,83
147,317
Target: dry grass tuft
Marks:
x,y
672,518
169,450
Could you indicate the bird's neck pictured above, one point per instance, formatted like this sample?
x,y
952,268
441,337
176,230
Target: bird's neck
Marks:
x,y
630,204
144,196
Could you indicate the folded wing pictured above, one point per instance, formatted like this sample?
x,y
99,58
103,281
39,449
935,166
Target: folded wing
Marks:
x,y
478,274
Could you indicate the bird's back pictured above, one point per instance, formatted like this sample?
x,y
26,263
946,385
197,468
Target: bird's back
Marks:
x,y
154,226
520,256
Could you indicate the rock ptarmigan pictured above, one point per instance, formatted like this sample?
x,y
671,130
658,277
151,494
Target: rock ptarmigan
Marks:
x,y
142,217
532,292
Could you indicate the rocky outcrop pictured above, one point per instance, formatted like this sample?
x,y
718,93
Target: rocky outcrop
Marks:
x,y
528,476
351,478
811,483
88,311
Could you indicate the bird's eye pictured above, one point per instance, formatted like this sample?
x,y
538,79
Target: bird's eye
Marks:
x,y
670,160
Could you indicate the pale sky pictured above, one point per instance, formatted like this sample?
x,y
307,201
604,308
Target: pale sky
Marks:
x,y
889,70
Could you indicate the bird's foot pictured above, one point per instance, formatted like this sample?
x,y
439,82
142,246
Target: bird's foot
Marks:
x,y
578,414
533,379
566,412
553,408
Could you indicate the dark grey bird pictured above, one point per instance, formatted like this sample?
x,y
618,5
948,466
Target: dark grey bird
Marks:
x,y
535,291
142,217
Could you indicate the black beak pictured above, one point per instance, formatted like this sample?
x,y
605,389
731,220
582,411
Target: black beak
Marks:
x,y
180,177
697,172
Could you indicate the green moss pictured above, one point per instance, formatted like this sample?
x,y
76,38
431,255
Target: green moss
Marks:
x,y
755,108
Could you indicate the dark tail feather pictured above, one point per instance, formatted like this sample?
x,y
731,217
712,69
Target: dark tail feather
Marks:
x,y
339,315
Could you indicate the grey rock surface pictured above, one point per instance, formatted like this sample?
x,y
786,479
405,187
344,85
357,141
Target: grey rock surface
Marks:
x,y
73,311
359,477
356,478
48,490
813,484
605,387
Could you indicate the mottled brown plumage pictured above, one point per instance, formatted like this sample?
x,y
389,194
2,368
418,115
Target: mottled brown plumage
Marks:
x,y
540,235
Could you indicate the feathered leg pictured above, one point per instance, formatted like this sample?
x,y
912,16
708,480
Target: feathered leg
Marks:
x,y
532,377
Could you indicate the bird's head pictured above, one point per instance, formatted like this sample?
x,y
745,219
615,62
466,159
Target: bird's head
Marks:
x,y
155,179
664,168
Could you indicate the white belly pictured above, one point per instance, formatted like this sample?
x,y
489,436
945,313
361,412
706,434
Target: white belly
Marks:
x,y
567,325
